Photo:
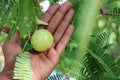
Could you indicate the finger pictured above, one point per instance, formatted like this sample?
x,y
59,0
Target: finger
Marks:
x,y
6,29
64,40
49,13
58,16
63,26
52,53
15,38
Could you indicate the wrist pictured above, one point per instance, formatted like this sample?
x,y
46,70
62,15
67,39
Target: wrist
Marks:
x,y
7,73
3,76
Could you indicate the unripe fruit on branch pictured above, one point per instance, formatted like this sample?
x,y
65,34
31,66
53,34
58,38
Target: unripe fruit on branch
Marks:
x,y
42,40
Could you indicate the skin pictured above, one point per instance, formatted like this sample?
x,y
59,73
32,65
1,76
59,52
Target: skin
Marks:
x,y
58,19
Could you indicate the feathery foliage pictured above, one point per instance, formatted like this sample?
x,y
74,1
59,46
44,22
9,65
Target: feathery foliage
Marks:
x,y
22,70
6,9
95,61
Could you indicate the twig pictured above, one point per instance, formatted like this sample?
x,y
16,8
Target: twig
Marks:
x,y
115,31
110,23
105,15
26,43
109,13
64,70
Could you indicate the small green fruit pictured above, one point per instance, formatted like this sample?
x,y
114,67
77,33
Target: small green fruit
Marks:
x,y
42,40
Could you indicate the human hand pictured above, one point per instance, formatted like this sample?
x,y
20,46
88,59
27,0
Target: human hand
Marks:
x,y
58,19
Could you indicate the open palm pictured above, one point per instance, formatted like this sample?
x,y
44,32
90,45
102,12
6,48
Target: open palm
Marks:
x,y
58,19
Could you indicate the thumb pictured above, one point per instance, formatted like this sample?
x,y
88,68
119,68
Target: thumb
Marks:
x,y
15,38
6,29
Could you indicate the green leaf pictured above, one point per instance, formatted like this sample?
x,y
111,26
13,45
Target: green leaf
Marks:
x,y
101,78
106,64
6,8
27,18
40,22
